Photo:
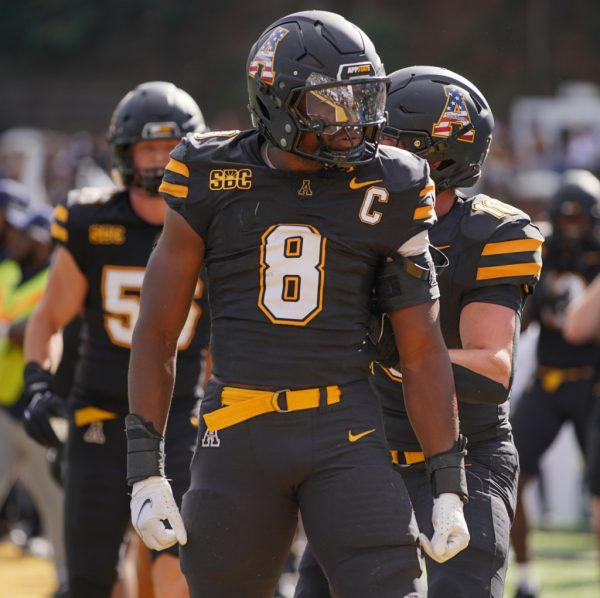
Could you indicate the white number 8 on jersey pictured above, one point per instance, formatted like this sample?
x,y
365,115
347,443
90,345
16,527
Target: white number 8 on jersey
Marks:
x,y
292,257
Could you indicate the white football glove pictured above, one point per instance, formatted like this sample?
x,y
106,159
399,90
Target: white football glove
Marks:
x,y
450,533
152,502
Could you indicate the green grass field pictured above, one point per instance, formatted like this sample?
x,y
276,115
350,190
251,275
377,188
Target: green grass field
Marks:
x,y
566,566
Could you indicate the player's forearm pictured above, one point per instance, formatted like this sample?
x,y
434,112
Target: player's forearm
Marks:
x,y
38,335
583,316
151,375
429,395
495,365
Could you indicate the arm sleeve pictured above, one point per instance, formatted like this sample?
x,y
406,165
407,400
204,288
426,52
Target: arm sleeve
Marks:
x,y
511,256
185,186
406,281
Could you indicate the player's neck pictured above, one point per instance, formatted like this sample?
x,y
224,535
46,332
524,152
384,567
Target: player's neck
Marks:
x,y
281,160
150,208
444,202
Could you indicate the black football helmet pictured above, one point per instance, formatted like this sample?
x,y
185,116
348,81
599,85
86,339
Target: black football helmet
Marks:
x,y
577,195
153,110
442,117
315,72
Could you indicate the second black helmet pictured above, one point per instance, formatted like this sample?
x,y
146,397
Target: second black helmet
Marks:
x,y
442,117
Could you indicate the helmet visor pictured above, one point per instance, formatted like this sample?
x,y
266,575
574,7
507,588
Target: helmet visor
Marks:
x,y
336,105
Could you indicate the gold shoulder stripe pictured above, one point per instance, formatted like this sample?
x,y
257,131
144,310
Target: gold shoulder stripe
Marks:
x,y
529,269
512,246
61,213
180,191
60,233
423,213
178,167
426,190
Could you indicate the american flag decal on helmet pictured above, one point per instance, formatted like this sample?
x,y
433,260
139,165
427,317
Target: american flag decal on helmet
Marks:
x,y
262,63
456,113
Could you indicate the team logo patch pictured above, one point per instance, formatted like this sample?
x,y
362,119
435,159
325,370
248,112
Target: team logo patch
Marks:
x,y
211,439
95,434
106,234
305,189
226,180
455,113
357,69
261,65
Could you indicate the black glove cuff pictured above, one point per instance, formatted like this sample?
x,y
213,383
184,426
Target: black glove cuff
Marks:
x,y
36,379
145,450
446,471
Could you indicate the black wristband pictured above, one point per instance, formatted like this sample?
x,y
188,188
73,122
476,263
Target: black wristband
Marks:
x,y
145,450
446,471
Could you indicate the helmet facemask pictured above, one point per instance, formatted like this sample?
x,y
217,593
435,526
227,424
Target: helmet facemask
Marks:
x,y
345,117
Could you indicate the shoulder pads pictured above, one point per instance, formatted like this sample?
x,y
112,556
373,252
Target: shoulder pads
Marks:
x,y
90,195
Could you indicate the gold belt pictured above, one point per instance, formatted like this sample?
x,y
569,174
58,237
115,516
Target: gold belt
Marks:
x,y
241,404
407,457
553,378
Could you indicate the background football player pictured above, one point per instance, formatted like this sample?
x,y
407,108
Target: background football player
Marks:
x,y
582,325
494,260
563,386
106,237
292,219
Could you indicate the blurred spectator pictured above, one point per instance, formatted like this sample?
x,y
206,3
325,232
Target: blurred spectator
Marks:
x,y
28,247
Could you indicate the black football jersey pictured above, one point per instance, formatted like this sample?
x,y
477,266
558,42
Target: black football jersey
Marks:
x,y
111,246
567,271
494,254
291,256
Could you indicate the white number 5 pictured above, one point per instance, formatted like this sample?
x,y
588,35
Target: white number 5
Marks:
x,y
120,290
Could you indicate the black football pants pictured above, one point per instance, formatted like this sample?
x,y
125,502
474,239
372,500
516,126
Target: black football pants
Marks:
x,y
249,480
479,570
97,495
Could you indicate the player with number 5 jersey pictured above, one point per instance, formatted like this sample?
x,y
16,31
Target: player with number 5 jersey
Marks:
x,y
105,237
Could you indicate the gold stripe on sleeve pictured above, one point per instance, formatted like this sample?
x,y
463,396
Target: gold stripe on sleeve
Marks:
x,y
423,213
178,167
508,270
59,232
512,246
180,191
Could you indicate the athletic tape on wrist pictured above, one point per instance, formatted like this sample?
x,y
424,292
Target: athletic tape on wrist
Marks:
x,y
145,450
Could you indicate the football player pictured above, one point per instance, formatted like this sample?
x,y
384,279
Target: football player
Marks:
x,y
582,325
563,387
494,261
105,237
292,219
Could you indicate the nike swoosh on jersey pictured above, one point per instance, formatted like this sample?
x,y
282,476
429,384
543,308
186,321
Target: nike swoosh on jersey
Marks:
x,y
355,437
354,184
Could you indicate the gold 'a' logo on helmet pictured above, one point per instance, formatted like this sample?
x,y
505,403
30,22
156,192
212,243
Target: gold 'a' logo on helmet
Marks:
x,y
454,113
